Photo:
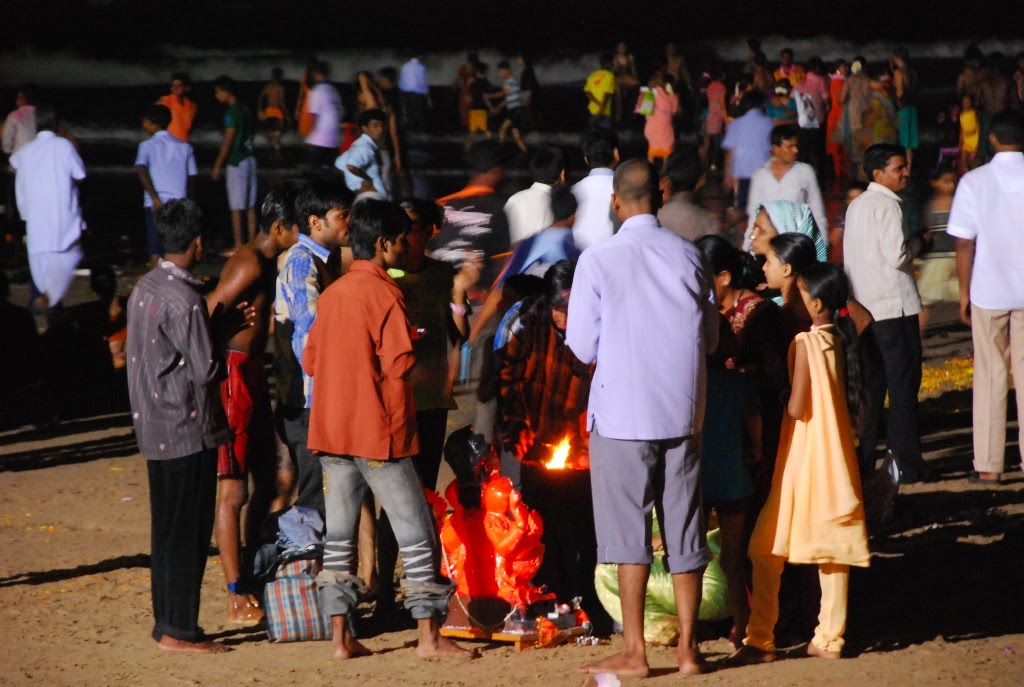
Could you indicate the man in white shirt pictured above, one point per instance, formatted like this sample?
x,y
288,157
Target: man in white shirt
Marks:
x,y
48,171
987,219
529,211
879,260
361,163
165,165
415,89
20,125
783,178
595,220
325,106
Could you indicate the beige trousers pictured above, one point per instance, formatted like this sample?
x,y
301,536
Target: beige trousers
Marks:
x,y
998,346
764,604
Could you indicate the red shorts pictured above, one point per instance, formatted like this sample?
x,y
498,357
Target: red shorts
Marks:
x,y
247,407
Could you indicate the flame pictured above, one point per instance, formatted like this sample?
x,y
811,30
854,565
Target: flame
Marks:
x,y
559,456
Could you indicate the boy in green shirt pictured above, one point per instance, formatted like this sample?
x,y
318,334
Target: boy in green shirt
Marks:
x,y
236,150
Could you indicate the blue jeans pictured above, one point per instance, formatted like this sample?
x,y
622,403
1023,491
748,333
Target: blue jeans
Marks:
x,y
397,488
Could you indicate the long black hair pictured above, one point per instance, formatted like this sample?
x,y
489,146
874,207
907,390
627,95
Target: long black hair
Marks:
x,y
721,256
828,283
795,250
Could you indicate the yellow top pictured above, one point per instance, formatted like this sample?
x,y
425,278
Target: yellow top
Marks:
x,y
815,512
600,83
969,130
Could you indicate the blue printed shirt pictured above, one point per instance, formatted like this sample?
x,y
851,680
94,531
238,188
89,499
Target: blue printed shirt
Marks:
x,y
298,291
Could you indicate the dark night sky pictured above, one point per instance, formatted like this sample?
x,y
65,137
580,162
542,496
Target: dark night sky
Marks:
x,y
130,27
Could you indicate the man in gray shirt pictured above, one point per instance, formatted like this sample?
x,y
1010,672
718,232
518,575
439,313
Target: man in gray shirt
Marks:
x,y
174,365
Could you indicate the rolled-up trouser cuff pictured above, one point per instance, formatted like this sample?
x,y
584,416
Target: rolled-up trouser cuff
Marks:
x,y
339,592
426,599
625,555
691,562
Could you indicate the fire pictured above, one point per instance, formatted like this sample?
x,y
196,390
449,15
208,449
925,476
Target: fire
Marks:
x,y
559,456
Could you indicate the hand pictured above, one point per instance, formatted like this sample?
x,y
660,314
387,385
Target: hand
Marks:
x,y
525,443
965,309
468,275
157,202
215,173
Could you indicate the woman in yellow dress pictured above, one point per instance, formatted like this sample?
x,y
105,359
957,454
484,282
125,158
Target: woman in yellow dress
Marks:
x,y
814,513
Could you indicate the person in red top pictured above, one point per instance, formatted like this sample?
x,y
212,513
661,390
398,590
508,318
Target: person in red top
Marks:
x,y
183,108
363,424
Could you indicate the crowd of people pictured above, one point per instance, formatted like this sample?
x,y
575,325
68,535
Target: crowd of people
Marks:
x,y
691,321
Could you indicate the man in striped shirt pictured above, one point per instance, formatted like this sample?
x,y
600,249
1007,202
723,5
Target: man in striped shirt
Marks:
x,y
513,103
175,364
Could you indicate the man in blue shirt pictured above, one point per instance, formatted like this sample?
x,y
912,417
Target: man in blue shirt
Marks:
x,y
412,82
323,209
361,163
747,145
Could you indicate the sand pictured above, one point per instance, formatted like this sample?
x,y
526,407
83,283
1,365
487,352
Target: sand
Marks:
x,y
941,604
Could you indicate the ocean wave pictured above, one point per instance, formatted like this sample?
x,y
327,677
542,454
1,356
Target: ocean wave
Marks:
x,y
67,68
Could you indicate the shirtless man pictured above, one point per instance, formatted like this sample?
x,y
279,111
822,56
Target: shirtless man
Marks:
x,y
273,111
249,275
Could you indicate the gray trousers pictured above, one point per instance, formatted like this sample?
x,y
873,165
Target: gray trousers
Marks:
x,y
398,490
629,479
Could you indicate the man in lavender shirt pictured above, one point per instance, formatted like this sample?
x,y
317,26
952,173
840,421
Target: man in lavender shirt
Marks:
x,y
643,308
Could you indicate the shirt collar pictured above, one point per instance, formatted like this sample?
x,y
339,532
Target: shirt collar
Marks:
x,y
371,268
179,272
537,186
369,140
315,248
639,220
45,134
875,186
601,172
1008,156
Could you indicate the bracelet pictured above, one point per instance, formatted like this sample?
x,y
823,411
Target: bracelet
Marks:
x,y
458,308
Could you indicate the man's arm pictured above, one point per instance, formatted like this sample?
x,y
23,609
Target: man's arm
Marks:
x,y
395,351
301,293
8,135
147,185
894,245
236,278
964,268
222,154
192,337
815,201
584,322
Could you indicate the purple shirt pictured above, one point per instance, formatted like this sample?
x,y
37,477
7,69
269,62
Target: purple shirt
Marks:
x,y
644,310
749,139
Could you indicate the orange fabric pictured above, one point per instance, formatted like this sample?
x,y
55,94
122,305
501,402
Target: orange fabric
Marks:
x,y
815,512
272,113
183,112
359,354
468,192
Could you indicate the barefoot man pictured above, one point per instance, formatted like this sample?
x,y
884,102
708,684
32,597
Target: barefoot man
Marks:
x,y
362,423
250,275
643,310
174,367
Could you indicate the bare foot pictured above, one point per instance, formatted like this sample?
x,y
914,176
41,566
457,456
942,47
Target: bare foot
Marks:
x,y
623,665
171,644
748,656
692,663
442,646
814,650
350,647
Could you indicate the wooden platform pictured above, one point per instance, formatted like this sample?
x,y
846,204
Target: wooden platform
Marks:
x,y
521,640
